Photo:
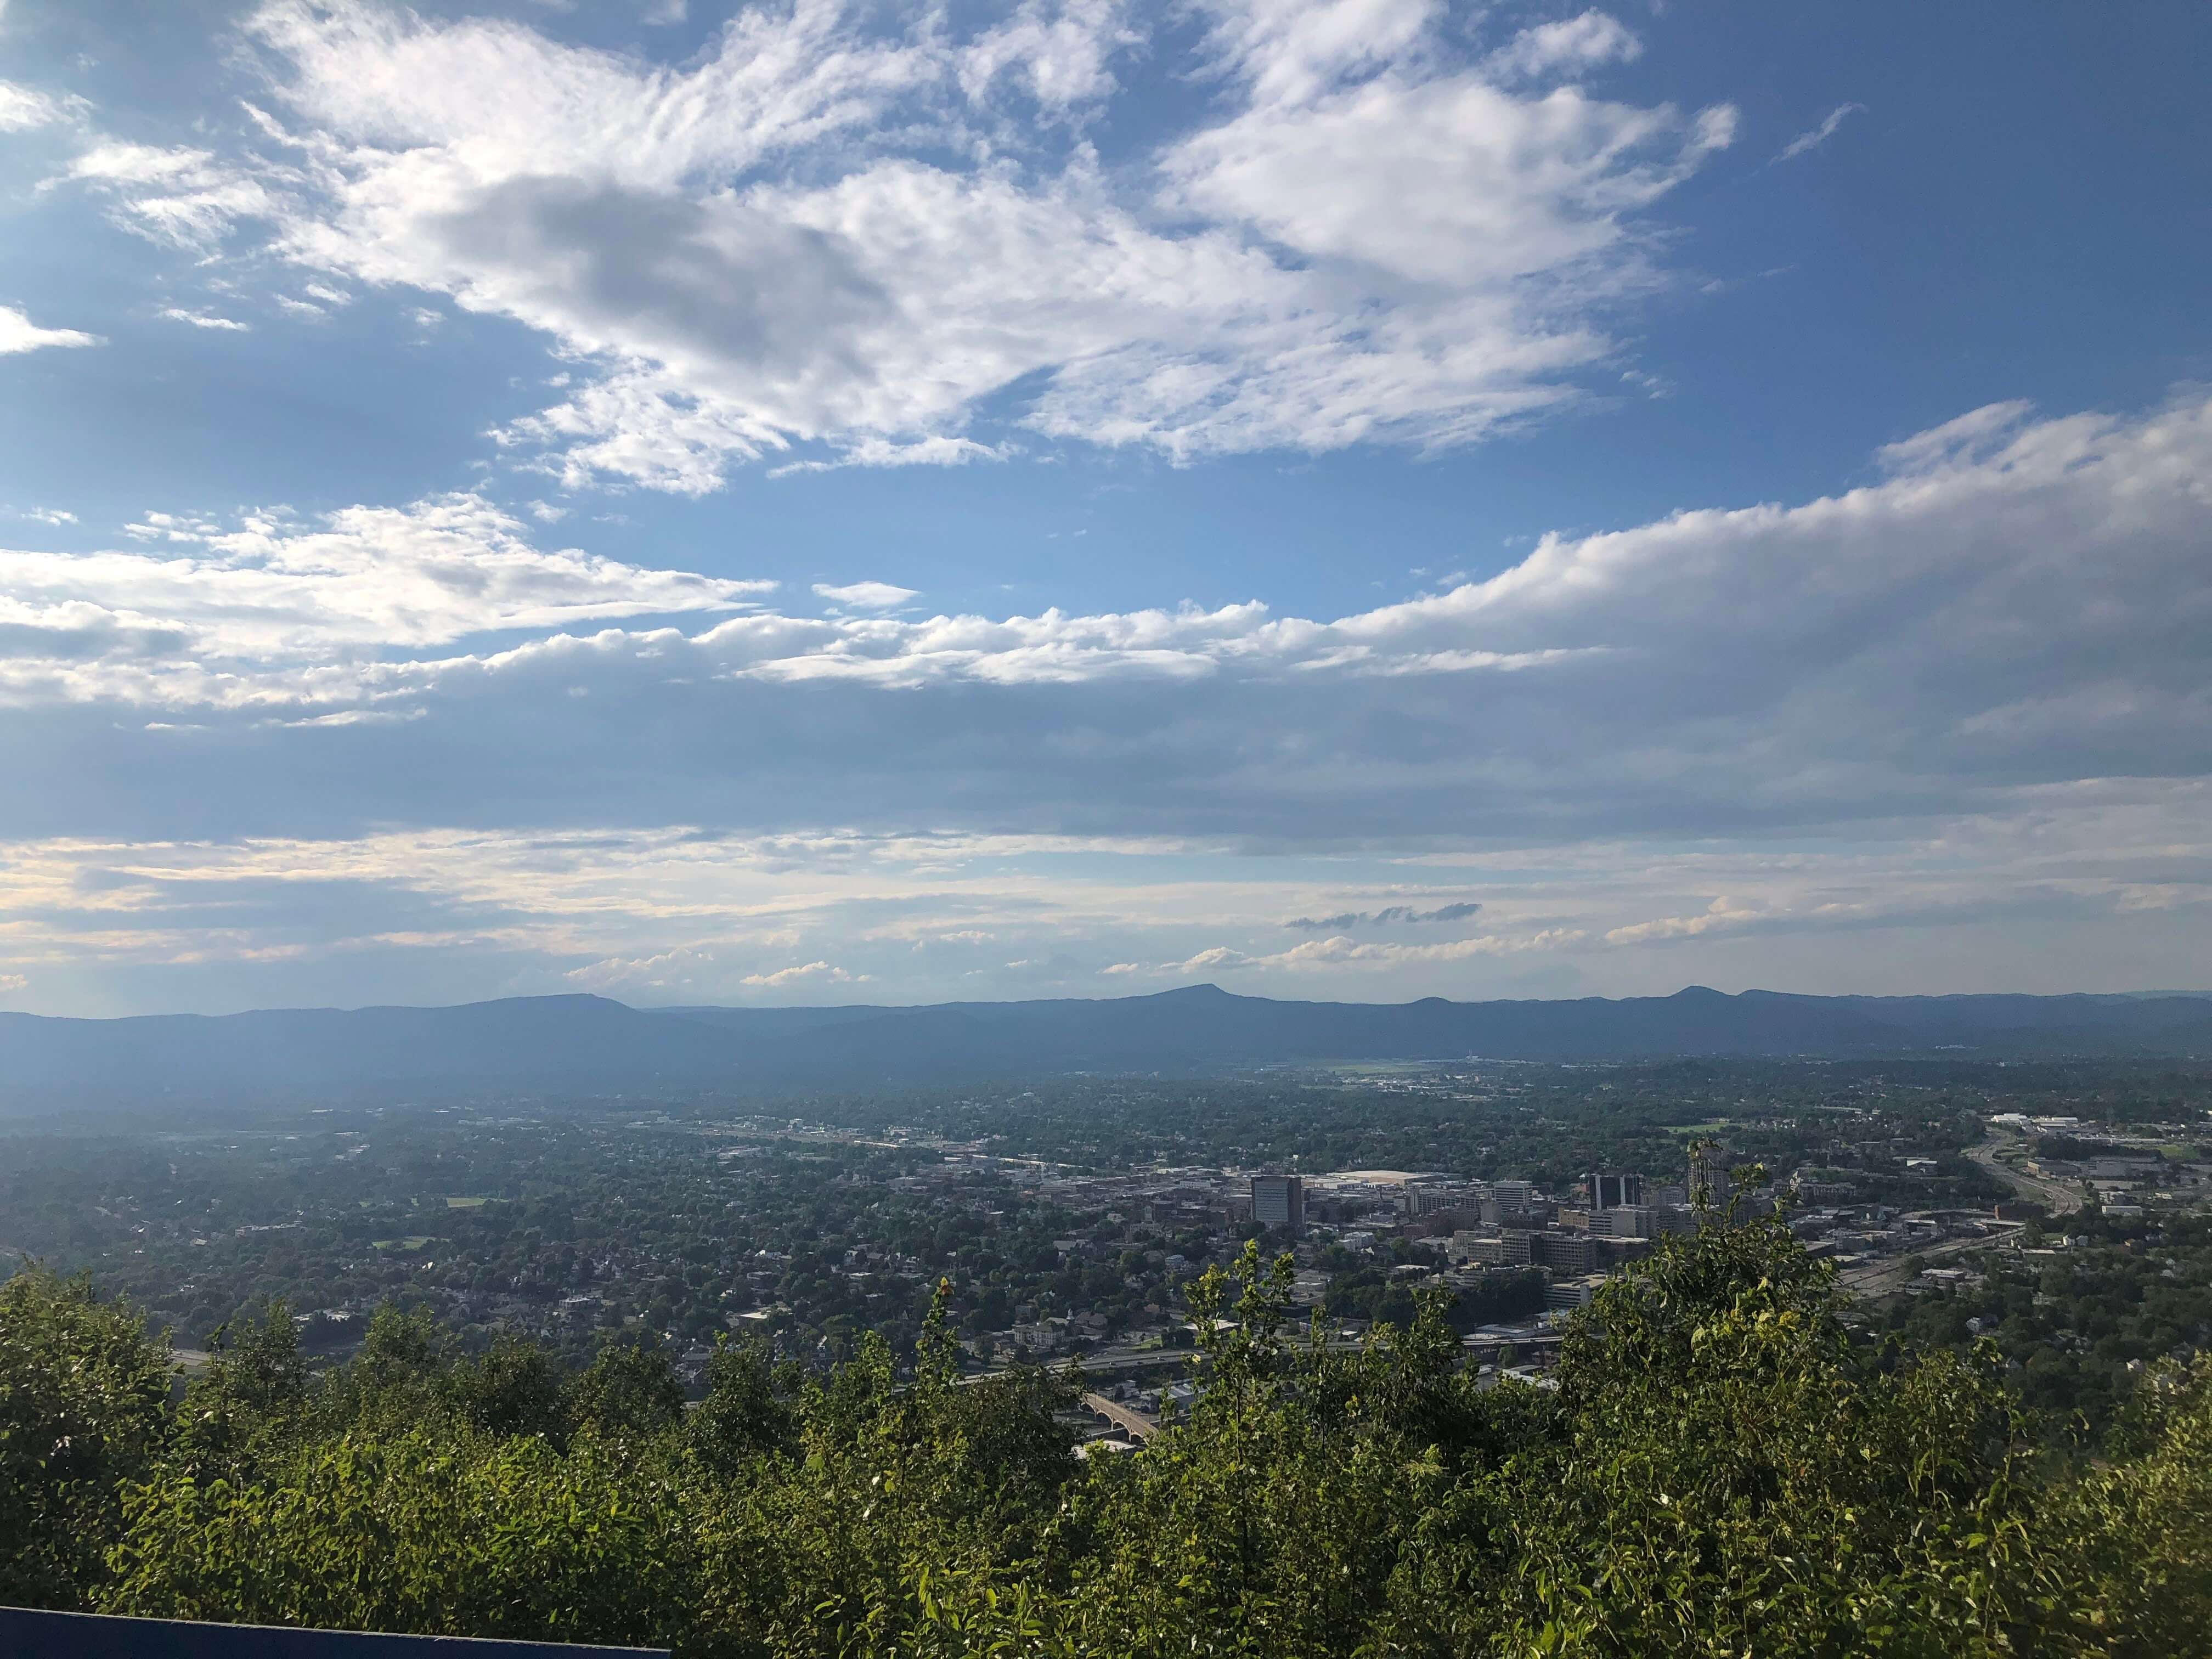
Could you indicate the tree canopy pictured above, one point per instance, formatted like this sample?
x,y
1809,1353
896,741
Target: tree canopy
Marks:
x,y
1717,1465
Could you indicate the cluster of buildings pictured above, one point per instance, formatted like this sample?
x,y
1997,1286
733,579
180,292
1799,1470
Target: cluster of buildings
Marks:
x,y
1577,1239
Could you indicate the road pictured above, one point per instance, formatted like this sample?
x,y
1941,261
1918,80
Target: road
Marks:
x,y
2055,1194
1879,1278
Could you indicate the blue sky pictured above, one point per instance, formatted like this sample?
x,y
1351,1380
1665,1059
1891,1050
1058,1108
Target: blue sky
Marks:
x,y
819,502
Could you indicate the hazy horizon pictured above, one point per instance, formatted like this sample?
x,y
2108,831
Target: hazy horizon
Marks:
x,y
861,1002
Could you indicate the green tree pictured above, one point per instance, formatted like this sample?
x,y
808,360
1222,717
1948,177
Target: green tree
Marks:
x,y
1726,1474
630,1391
513,1387
2141,1529
426,1531
253,1386
748,1410
82,1389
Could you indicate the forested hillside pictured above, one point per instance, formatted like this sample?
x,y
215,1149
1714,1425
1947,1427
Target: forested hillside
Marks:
x,y
1719,1469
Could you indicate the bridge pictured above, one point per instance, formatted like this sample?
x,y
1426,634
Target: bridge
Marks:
x,y
1135,1425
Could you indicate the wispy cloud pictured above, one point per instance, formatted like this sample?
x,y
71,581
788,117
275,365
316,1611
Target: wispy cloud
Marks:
x,y
1806,142
817,973
204,320
22,108
1391,915
178,196
274,588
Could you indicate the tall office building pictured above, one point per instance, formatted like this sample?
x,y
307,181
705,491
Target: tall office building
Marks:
x,y
1709,1180
1610,1192
1279,1201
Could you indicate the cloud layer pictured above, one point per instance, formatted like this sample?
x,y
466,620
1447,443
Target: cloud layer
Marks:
x,y
2019,602
1990,662
820,240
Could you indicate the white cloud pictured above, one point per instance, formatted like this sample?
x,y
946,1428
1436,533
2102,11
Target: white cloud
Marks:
x,y
178,196
1967,700
22,108
1289,50
815,236
1059,52
19,333
1722,913
1585,41
865,596
2018,600
816,972
939,450
1804,143
204,319
1338,952
2115,883
276,590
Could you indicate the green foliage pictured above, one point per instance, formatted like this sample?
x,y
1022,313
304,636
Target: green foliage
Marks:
x,y
2081,1325
748,1411
82,1388
630,1392
248,1395
421,1531
1730,1477
513,1387
1717,1466
2143,1527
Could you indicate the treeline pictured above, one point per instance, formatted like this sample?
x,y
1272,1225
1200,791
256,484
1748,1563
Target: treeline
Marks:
x,y
1719,1470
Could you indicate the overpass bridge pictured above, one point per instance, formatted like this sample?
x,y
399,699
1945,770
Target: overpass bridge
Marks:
x,y
1135,1425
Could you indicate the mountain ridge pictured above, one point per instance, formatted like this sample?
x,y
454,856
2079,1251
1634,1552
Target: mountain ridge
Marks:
x,y
582,1044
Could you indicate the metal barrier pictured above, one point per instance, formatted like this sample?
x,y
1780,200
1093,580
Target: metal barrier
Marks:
x,y
27,1633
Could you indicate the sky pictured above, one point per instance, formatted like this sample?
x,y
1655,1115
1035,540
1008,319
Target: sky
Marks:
x,y
1367,499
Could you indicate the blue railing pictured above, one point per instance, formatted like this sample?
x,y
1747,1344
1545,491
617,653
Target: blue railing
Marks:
x,y
27,1634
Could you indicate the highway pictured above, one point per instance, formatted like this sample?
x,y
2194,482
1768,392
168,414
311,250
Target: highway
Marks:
x,y
2055,1194
1879,1278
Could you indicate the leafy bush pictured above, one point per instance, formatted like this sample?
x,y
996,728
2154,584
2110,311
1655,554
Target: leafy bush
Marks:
x,y
82,1389
1716,1467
